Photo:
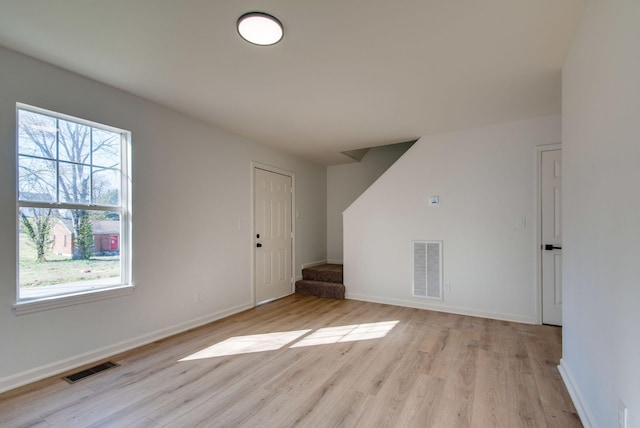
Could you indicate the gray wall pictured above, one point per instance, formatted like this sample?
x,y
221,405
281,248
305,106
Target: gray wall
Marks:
x,y
191,185
348,181
486,180
601,248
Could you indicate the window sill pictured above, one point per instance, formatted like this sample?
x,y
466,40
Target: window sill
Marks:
x,y
53,302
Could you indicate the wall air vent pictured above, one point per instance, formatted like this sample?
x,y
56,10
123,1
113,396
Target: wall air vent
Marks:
x,y
427,269
73,378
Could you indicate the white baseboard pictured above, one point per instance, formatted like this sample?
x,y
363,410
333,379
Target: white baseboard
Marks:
x,y
312,264
442,308
335,262
57,367
583,411
298,278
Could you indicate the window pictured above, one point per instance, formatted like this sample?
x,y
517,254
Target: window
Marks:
x,y
73,211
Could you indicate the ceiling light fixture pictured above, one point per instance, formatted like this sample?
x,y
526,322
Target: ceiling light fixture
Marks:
x,y
260,28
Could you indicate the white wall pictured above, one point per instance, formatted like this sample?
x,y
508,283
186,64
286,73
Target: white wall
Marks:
x,y
485,179
346,182
191,185
601,248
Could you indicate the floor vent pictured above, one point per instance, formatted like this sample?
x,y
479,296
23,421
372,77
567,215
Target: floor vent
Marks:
x,y
73,378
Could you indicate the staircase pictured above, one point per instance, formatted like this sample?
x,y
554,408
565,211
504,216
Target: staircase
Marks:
x,y
322,281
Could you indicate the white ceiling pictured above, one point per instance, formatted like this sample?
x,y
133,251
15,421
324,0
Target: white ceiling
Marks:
x,y
348,74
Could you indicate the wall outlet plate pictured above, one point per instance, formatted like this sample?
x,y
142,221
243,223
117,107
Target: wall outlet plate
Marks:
x,y
434,200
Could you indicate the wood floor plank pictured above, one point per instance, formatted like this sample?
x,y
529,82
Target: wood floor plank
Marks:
x,y
524,404
17,410
329,363
455,407
422,402
556,418
387,404
211,394
490,404
551,388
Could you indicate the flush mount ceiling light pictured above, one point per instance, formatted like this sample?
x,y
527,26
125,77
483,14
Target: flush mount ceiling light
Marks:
x,y
260,28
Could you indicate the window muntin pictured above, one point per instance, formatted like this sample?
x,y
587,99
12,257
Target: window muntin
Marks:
x,y
73,211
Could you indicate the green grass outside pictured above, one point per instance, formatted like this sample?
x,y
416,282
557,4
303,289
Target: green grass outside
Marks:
x,y
59,269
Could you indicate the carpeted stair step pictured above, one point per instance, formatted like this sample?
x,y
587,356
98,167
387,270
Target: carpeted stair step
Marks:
x,y
324,273
330,290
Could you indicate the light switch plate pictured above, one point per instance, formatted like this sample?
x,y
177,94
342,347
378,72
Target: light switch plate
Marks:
x,y
434,200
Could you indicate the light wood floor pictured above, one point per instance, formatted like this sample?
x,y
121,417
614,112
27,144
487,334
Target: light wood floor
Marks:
x,y
425,369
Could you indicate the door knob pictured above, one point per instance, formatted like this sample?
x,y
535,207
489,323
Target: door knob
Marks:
x,y
259,245
550,247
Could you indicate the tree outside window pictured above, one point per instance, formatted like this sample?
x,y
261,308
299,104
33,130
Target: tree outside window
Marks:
x,y
72,191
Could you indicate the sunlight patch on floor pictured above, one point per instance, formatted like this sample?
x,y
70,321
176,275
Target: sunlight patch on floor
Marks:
x,y
248,344
347,333
274,341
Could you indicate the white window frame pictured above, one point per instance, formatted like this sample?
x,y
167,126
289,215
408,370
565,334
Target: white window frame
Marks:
x,y
125,287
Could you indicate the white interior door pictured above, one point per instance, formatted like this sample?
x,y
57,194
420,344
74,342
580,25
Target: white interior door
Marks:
x,y
551,227
273,235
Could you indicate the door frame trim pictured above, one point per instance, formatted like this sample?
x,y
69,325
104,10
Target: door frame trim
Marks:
x,y
539,150
257,165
